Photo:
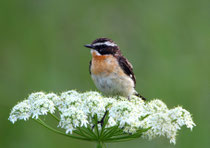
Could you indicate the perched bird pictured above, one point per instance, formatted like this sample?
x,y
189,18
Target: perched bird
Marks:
x,y
111,72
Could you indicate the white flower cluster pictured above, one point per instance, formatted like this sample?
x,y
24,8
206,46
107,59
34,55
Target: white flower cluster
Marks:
x,y
165,122
20,111
80,109
40,104
36,104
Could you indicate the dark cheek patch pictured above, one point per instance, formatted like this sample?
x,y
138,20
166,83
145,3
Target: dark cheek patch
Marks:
x,y
107,50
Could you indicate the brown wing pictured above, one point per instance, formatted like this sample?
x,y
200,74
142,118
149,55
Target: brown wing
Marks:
x,y
127,68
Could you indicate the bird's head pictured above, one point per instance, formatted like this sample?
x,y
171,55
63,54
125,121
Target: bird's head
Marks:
x,y
103,46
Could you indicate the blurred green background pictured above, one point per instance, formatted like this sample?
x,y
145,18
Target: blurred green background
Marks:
x,y
41,48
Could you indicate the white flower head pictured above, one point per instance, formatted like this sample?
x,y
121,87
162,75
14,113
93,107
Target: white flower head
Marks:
x,y
40,104
181,117
72,113
94,104
20,111
80,110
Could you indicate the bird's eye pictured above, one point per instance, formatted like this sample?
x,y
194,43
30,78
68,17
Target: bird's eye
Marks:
x,y
100,50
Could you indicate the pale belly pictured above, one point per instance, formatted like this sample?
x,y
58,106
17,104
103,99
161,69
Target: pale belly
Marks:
x,y
113,84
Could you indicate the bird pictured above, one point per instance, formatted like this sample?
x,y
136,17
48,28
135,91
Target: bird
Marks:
x,y
111,72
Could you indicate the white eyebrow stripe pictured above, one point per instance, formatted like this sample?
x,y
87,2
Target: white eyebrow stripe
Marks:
x,y
108,43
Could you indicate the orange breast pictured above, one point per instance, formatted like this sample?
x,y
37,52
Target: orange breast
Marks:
x,y
103,64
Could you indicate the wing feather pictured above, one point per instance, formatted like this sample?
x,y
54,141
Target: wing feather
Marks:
x,y
127,67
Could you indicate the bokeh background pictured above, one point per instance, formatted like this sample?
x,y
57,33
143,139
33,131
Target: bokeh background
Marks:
x,y
41,49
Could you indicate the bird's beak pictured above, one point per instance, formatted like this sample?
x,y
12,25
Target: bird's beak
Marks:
x,y
88,46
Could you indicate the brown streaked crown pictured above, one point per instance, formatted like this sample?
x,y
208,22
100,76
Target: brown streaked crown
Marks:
x,y
102,40
104,46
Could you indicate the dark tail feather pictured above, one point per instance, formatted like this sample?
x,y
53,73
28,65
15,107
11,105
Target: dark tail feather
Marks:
x,y
138,95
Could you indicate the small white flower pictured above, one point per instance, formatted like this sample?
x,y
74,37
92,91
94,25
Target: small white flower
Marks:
x,y
56,99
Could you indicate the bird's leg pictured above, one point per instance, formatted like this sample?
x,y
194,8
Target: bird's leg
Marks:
x,y
101,121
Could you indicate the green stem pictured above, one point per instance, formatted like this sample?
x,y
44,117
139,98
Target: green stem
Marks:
x,y
81,134
109,132
85,134
58,110
99,145
56,118
96,126
59,132
89,130
106,118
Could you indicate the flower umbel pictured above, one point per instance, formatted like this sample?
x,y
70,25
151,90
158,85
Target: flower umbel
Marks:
x,y
93,117
20,111
41,104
